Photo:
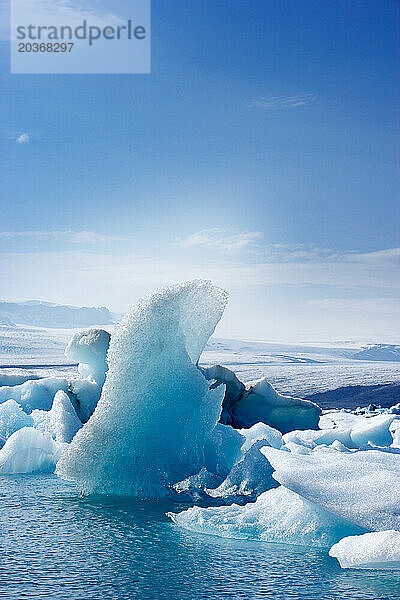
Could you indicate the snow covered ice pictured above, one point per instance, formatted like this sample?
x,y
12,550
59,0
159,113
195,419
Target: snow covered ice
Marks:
x,y
12,418
362,487
28,451
89,349
377,550
257,401
61,421
156,410
278,515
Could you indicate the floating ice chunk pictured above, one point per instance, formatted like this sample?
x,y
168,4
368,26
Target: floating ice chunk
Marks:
x,y
352,431
12,418
260,431
89,349
61,421
375,431
199,485
278,515
310,438
222,449
156,411
377,550
260,402
34,394
28,451
249,477
363,487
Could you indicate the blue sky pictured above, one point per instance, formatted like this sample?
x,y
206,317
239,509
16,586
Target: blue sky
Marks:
x,y
262,152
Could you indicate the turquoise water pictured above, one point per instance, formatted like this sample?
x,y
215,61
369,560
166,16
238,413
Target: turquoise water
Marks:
x,y
58,545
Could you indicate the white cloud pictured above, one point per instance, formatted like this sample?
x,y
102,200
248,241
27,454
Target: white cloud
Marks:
x,y
267,298
75,237
277,102
217,239
24,138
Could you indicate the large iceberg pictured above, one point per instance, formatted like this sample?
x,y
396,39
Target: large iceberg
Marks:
x,y
376,550
156,411
278,515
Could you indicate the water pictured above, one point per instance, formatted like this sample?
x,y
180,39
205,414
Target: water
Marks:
x,y
58,545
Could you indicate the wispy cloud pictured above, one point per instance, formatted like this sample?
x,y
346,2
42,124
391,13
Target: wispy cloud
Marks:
x,y
24,138
278,102
75,237
220,240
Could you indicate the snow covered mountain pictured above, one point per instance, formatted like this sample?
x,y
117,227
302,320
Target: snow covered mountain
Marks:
x,y
47,314
379,352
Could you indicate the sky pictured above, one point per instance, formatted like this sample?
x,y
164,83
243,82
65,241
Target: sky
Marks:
x,y
262,152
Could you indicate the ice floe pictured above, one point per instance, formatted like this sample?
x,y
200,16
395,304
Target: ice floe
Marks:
x,y
376,550
278,515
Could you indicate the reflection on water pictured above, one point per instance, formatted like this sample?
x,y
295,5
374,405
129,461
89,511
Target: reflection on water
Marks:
x,y
58,545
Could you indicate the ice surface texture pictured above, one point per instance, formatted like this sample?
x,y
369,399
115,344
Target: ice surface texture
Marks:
x,y
360,486
377,550
156,411
278,515
61,421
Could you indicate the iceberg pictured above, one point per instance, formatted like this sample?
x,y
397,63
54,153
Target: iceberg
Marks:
x,y
61,421
376,550
12,418
156,410
362,487
252,474
278,515
248,478
29,451
353,431
89,348
222,450
257,401
34,393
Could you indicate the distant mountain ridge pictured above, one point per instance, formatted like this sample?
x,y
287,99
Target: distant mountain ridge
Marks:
x,y
48,314
390,352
